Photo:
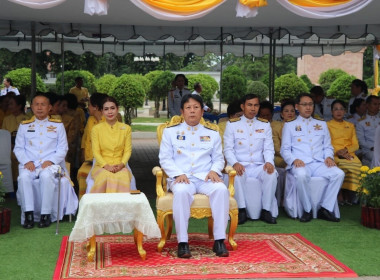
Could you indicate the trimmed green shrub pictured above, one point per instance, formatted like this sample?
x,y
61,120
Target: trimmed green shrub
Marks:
x,y
258,88
151,76
160,87
22,80
233,84
105,83
307,81
69,80
209,86
130,94
328,77
288,86
341,87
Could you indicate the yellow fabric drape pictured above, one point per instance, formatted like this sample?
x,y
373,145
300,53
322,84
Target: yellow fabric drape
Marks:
x,y
318,3
376,87
183,6
253,3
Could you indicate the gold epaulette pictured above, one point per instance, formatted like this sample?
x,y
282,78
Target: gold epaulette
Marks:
x,y
262,120
349,117
212,126
29,121
174,121
235,120
318,118
56,117
362,118
54,120
291,120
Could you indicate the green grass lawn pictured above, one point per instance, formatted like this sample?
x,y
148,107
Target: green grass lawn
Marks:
x,y
149,120
144,128
32,254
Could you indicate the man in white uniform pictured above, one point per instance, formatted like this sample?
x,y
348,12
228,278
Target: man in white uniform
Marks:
x,y
322,104
366,127
40,143
175,95
359,89
307,150
8,87
191,155
248,147
198,90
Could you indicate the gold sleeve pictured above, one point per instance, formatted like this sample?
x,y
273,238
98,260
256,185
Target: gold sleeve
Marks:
x,y
128,145
95,141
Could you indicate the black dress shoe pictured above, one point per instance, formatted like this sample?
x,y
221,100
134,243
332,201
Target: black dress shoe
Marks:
x,y
266,216
29,220
306,217
325,214
242,216
44,221
183,250
220,249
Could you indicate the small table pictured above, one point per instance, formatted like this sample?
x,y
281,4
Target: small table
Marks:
x,y
101,213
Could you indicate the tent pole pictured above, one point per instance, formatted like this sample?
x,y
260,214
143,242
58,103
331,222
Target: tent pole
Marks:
x,y
33,72
62,66
221,70
270,66
271,97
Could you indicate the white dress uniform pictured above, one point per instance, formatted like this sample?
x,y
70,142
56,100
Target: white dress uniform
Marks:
x,y
4,91
174,101
39,141
194,151
362,95
326,108
205,107
250,143
365,131
309,140
354,119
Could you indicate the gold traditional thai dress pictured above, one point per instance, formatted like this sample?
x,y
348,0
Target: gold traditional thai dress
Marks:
x,y
277,136
11,123
111,145
343,135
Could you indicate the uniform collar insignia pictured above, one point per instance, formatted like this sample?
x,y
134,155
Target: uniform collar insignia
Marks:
x,y
317,127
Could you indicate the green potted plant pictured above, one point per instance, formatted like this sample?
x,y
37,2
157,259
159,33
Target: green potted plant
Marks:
x,y
369,194
5,213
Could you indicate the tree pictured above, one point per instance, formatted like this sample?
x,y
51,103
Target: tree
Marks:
x,y
307,81
341,87
129,93
105,83
69,80
209,86
329,76
233,84
22,79
288,86
144,82
258,88
151,76
160,88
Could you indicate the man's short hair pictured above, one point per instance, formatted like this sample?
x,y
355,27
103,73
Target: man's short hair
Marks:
x,y
96,99
43,94
77,79
249,97
361,84
9,80
370,98
197,86
72,101
234,107
357,102
317,90
266,104
304,94
187,97
54,98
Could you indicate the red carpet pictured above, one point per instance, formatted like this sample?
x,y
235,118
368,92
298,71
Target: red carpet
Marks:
x,y
257,256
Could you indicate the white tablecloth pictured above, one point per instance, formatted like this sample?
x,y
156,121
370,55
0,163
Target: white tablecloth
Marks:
x,y
112,213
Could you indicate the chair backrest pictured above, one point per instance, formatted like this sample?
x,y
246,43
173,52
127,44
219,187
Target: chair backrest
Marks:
x,y
5,150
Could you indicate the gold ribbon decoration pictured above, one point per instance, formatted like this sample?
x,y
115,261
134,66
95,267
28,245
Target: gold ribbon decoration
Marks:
x,y
253,3
318,3
183,6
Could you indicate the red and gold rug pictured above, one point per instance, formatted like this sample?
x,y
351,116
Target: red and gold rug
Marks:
x,y
257,256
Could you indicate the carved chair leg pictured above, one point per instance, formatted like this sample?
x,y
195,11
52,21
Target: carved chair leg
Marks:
x,y
169,226
161,225
233,226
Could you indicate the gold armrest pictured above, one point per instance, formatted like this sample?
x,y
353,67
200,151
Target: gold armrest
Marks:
x,y
231,178
158,172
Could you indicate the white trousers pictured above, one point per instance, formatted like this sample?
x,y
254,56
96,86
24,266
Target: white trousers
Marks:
x,y
302,176
266,191
46,189
183,198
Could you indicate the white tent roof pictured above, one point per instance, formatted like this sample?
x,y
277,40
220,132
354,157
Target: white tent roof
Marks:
x,y
126,28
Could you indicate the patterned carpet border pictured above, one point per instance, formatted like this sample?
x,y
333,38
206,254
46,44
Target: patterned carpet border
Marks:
x,y
258,256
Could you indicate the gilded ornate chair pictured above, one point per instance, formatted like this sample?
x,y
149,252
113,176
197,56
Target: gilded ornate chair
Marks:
x,y
200,207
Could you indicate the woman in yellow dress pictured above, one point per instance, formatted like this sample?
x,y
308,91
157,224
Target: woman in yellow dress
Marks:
x,y
288,112
112,148
345,143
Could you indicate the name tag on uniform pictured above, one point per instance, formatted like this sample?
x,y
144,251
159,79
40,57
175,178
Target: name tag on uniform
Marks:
x,y
205,138
180,137
259,130
31,128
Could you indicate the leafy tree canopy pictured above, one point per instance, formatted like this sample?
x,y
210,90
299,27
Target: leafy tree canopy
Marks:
x,y
105,83
328,77
209,86
69,80
233,84
288,86
341,87
151,76
307,81
258,88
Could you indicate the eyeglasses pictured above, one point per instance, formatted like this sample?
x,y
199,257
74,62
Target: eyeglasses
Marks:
x,y
311,104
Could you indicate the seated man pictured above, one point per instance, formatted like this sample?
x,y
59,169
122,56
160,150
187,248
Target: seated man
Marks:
x,y
248,147
40,143
366,127
307,150
191,155
322,104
